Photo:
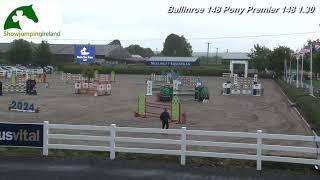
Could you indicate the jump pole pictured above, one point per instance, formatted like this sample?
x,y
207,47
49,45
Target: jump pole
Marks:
x,y
174,107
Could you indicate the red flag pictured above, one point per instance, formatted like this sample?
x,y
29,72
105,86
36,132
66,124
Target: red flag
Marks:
x,y
305,50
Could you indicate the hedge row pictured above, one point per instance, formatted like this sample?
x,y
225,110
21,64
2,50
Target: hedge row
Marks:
x,y
306,104
141,69
197,71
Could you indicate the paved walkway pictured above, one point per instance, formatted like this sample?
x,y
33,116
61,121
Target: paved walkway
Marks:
x,y
17,168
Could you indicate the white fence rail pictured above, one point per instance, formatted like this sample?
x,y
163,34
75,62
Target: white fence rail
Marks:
x,y
226,74
183,142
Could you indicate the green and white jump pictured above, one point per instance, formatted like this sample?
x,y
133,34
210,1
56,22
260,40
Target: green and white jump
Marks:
x,y
246,86
177,89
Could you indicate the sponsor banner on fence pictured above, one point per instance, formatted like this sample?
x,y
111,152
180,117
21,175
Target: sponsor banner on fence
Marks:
x,y
169,63
30,135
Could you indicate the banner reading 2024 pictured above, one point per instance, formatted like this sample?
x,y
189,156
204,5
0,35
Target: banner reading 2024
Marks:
x,y
29,135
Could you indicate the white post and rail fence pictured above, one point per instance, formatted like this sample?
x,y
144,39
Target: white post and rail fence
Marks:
x,y
183,142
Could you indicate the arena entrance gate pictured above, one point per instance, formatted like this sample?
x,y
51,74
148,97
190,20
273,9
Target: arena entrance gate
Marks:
x,y
239,62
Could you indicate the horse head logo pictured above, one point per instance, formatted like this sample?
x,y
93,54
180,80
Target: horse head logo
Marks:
x,y
84,51
16,15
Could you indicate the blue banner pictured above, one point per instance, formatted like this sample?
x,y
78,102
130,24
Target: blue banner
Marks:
x,y
169,63
85,54
28,135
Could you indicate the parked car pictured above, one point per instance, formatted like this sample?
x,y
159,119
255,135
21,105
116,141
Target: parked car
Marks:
x,y
3,72
9,70
48,69
22,68
35,70
16,70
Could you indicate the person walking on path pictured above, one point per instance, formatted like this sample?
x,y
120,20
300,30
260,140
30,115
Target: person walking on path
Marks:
x,y
164,117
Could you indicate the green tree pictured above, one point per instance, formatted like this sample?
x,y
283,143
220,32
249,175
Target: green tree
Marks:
x,y
277,57
148,52
20,52
115,42
175,45
88,72
315,57
136,49
260,57
42,54
316,62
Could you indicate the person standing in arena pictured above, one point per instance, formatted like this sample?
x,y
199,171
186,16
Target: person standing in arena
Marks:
x,y
164,117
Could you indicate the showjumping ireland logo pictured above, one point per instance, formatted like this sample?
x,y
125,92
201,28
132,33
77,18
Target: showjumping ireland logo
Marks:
x,y
18,15
35,20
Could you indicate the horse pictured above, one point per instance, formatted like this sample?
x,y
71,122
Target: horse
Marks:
x,y
12,22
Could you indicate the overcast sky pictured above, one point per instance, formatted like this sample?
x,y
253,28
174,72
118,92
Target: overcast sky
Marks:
x,y
147,23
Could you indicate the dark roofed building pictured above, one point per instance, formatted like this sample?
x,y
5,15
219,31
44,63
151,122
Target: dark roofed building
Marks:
x,y
237,56
111,54
172,61
104,53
